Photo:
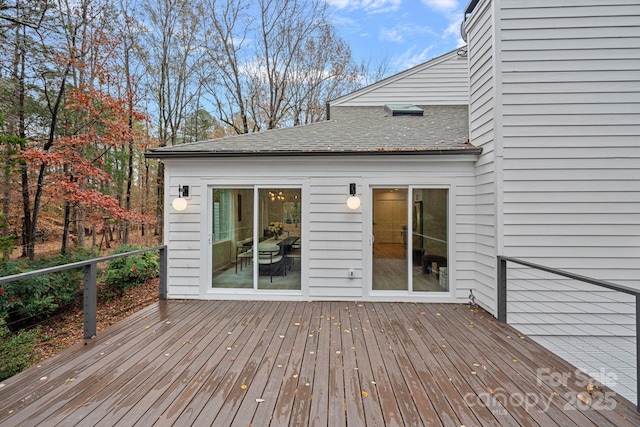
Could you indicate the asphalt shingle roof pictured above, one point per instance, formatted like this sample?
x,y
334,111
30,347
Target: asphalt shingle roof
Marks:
x,y
351,130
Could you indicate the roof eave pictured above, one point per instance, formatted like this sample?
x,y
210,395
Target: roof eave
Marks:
x,y
244,154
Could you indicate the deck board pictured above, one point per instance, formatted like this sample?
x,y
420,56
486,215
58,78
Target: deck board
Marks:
x,y
327,363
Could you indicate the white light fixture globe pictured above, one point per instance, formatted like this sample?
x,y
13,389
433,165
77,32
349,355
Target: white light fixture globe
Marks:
x,y
353,202
179,204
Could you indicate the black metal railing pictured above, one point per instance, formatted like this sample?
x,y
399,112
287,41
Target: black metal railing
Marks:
x,y
90,293
502,299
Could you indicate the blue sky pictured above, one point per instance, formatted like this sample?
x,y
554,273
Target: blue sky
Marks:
x,y
405,32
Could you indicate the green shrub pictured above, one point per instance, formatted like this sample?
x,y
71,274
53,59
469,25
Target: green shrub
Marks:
x,y
16,350
23,302
123,273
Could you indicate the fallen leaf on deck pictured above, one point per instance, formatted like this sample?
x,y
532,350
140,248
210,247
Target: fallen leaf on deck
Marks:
x,y
515,360
281,336
365,394
444,346
297,323
43,378
489,389
244,386
476,364
583,398
68,380
259,400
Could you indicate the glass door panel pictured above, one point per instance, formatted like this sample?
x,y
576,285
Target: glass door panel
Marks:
x,y
390,239
232,237
280,231
430,247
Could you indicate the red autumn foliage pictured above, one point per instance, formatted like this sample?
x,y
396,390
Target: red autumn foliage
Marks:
x,y
74,160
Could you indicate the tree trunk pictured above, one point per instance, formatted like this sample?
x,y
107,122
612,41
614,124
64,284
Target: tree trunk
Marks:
x,y
65,228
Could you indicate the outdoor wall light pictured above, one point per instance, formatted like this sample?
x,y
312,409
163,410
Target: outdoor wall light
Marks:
x,y
180,203
353,202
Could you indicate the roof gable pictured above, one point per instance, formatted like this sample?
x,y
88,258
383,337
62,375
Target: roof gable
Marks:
x,y
441,81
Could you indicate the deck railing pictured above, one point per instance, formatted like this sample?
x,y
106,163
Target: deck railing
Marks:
x,y
90,294
502,298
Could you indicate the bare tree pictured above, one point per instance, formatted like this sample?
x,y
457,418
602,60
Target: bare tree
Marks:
x,y
229,25
172,54
323,70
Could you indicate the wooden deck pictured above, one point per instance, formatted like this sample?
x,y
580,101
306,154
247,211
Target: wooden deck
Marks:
x,y
243,363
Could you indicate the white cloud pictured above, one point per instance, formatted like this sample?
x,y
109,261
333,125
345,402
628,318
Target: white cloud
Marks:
x,y
370,6
399,33
392,35
409,58
442,5
342,4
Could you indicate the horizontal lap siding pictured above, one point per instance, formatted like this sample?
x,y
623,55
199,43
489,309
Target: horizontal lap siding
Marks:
x,y
443,81
571,94
335,238
338,238
481,75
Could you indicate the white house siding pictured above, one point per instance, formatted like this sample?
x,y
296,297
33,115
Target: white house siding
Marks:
x,y
335,239
441,81
480,41
571,123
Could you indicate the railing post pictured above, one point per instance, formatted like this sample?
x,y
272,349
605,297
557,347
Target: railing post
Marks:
x,y
638,352
90,300
502,290
163,273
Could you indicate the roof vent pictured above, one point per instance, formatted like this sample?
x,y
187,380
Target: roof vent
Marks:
x,y
403,110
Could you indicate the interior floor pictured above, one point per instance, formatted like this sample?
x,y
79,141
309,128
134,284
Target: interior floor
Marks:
x,y
390,271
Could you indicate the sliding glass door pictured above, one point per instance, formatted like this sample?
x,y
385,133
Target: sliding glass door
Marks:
x,y
389,245
410,239
232,237
256,236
